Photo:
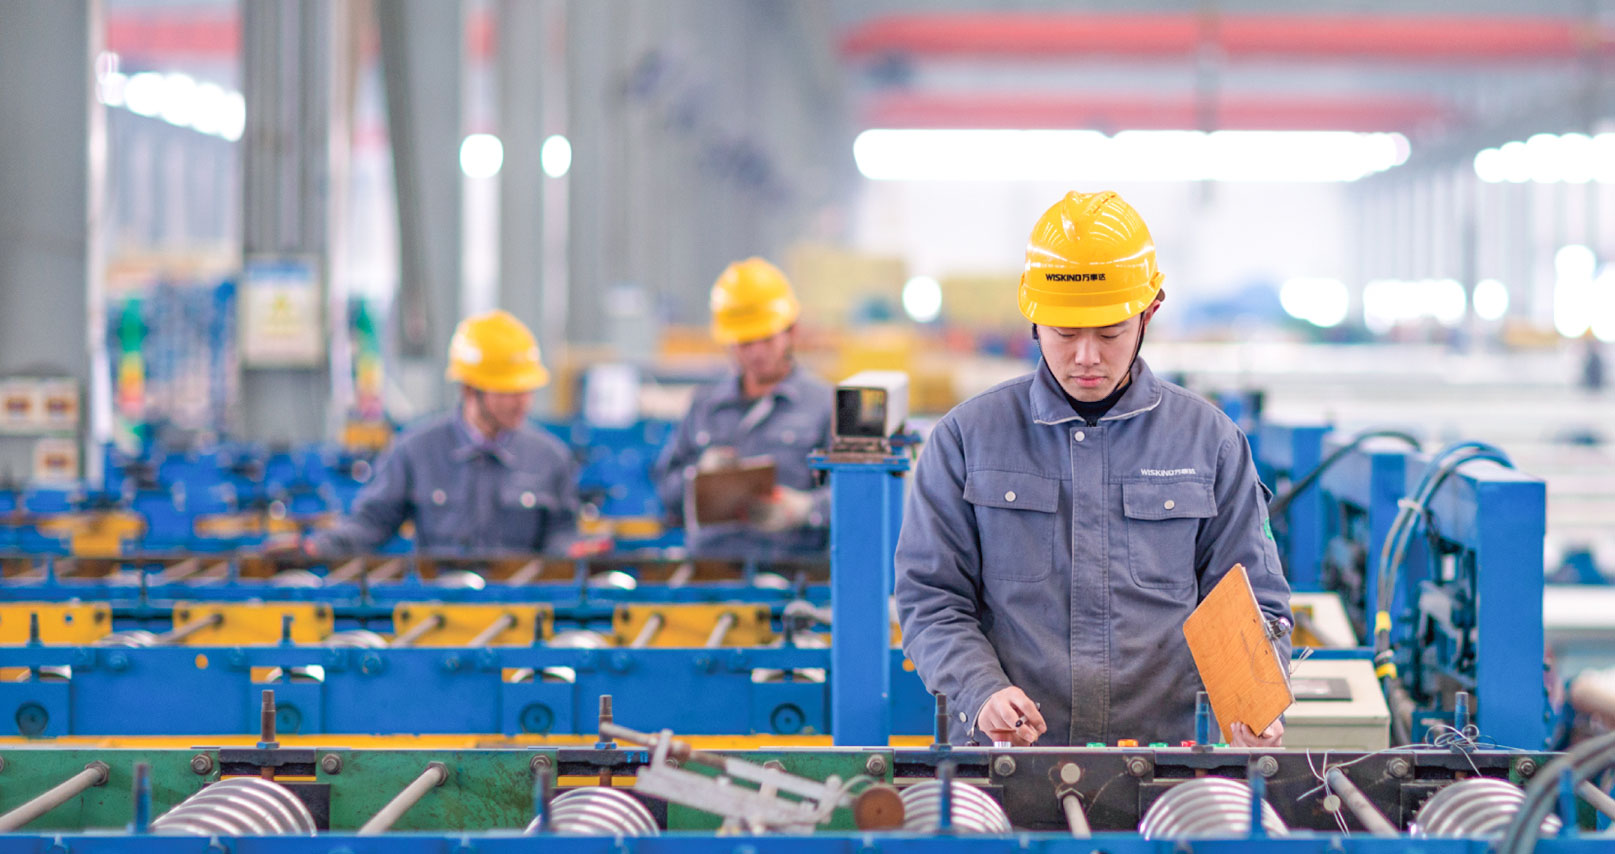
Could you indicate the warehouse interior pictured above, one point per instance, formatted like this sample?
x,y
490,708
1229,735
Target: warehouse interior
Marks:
x,y
428,425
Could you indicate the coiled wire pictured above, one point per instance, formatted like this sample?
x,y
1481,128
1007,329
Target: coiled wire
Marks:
x,y
239,806
1480,807
598,811
974,811
1207,806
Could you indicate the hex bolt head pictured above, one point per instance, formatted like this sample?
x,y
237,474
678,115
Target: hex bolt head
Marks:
x,y
1399,768
1267,766
1138,766
1004,766
1070,773
875,766
331,763
202,764
774,765
1525,766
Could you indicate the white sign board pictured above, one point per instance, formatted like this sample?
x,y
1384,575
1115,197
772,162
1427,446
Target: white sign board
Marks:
x,y
280,312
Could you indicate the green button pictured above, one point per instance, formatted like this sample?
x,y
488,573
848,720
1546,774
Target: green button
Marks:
x,y
1157,744
1096,744
1220,744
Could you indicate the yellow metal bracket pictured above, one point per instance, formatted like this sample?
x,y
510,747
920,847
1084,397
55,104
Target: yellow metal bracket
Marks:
x,y
459,625
692,625
251,624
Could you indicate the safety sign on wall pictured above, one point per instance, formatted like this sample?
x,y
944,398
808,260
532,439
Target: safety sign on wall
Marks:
x,y
281,316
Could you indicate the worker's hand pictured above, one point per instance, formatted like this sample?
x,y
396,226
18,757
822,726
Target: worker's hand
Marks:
x,y
783,509
1010,715
717,457
1273,736
589,547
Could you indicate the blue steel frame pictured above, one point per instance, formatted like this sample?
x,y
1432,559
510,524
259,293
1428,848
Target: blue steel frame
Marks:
x,y
861,557
1292,452
1480,628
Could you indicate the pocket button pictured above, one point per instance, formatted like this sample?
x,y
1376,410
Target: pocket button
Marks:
x,y
1010,496
1170,504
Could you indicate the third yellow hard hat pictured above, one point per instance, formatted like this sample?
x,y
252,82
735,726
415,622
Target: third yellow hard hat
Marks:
x,y
752,300
1089,262
494,351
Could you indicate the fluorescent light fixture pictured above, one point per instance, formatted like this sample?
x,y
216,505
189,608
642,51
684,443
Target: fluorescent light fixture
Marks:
x,y
1388,303
922,299
481,155
1490,299
1320,302
1572,158
1134,155
555,156
175,98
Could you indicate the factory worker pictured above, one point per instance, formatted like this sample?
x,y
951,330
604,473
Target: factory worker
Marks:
x,y
1062,525
478,479
767,406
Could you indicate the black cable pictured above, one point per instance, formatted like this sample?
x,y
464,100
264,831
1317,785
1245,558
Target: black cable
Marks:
x,y
1281,503
1584,760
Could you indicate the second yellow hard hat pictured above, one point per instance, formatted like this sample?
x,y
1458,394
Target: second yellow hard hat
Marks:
x,y
752,300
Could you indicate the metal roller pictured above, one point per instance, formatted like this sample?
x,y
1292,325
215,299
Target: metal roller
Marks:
x,y
974,811
133,637
598,811
570,639
356,639
1481,807
459,579
1207,806
239,806
296,578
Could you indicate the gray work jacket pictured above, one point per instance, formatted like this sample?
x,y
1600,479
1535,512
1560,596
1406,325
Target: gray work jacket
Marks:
x,y
1062,558
787,424
516,494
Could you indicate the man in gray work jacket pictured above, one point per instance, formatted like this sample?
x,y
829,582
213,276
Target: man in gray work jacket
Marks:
x,y
479,479
769,406
1062,525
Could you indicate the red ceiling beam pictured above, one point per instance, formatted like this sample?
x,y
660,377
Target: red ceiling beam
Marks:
x,y
1111,112
1070,36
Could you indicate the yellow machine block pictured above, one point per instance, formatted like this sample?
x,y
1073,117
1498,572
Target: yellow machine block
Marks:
x,y
96,534
59,624
691,625
250,624
637,527
360,435
459,625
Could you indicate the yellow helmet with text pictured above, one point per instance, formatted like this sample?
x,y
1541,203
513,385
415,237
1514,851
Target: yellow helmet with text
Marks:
x,y
752,300
1089,262
494,351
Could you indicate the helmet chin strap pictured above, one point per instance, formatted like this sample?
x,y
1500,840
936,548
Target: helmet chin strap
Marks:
x,y
1127,375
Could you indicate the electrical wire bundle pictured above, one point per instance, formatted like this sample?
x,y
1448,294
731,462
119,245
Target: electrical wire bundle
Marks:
x,y
1410,516
1546,789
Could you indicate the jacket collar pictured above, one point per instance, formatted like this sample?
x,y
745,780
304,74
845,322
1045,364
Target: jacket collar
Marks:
x,y
1049,404
469,442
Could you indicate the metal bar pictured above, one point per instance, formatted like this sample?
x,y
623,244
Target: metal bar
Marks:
x,y
527,574
387,570
1596,798
415,632
1359,804
434,775
725,623
190,628
351,569
94,774
1075,818
648,632
487,635
179,571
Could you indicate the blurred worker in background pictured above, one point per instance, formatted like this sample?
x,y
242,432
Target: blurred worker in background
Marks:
x,y
1062,525
767,407
478,479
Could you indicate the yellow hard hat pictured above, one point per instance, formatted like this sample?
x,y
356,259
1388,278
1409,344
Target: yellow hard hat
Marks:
x,y
495,352
752,300
1090,262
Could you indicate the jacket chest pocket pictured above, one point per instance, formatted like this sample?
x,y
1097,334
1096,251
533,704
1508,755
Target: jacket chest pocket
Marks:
x,y
1015,522
1163,525
440,514
521,512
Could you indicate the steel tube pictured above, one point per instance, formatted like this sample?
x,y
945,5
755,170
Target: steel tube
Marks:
x,y
94,774
432,777
415,632
724,624
527,574
190,628
1359,804
648,632
1596,798
1075,818
487,635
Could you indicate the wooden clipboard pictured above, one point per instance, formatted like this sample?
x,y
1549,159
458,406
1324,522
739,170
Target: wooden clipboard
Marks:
x,y
1227,636
725,494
